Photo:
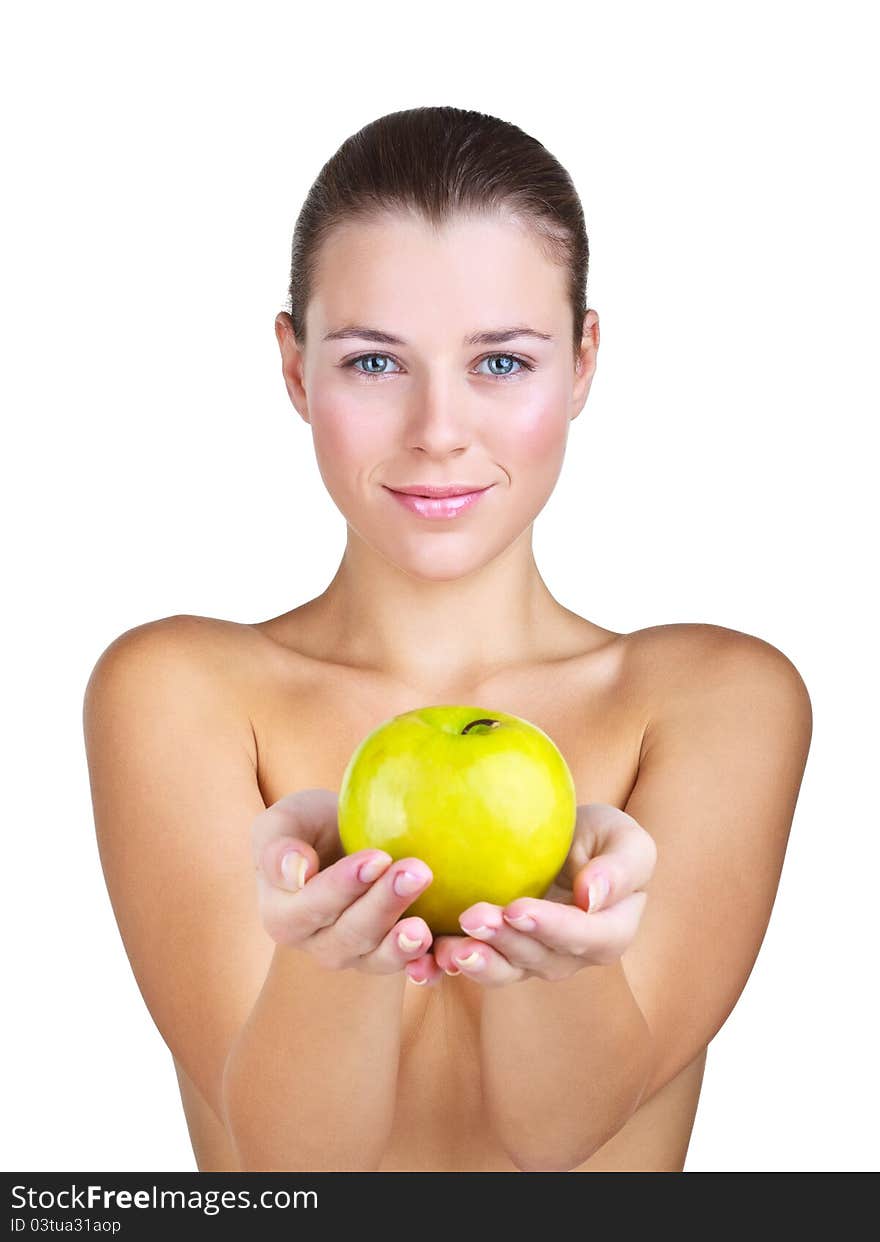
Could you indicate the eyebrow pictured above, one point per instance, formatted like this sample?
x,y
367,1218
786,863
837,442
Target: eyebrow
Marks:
x,y
498,337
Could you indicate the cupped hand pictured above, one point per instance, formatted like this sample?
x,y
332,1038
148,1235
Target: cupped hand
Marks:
x,y
588,917
343,909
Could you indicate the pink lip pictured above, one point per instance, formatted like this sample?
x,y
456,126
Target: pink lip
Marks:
x,y
442,507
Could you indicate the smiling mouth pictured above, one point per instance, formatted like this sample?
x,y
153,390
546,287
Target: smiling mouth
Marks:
x,y
438,507
429,492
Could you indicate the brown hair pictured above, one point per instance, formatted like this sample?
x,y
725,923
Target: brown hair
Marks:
x,y
436,161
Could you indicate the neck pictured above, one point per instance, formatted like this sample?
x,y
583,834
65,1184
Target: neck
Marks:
x,y
428,633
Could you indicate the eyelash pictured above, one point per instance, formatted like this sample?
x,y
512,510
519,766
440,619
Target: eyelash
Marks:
x,y
379,375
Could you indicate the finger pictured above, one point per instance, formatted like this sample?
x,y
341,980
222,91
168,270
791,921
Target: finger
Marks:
x,y
424,970
359,928
444,946
480,962
599,828
310,815
584,844
561,928
287,862
598,938
407,941
623,860
291,914
485,922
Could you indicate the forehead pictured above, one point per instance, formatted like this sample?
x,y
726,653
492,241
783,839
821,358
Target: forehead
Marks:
x,y
396,272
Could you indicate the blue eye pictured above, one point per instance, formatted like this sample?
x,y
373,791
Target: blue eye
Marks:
x,y
369,358
521,363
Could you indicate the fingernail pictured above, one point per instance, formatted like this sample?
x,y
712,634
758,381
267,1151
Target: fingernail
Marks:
x,y
597,891
412,980
480,933
449,971
522,922
473,961
373,868
405,883
293,868
406,944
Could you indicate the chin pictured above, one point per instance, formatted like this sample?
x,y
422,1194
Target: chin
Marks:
x,y
432,564
434,575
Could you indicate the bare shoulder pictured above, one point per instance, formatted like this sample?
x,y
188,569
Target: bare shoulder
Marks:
x,y
675,665
188,646
207,638
720,770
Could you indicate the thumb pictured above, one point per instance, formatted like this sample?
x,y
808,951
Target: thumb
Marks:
x,y
306,819
594,886
288,862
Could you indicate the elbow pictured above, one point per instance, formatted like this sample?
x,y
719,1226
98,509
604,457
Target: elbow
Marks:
x,y
546,1163
554,1154
563,1143
555,1144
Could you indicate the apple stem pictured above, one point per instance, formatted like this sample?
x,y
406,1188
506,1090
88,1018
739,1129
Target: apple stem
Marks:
x,y
490,724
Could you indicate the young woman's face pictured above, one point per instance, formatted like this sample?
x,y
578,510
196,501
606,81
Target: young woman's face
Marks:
x,y
433,406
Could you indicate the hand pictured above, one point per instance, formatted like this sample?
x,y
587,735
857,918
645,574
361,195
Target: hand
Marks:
x,y
588,917
314,896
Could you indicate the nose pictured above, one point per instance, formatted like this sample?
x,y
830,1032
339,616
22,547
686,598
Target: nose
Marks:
x,y
437,418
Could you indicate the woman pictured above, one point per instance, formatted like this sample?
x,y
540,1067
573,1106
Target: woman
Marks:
x,y
438,339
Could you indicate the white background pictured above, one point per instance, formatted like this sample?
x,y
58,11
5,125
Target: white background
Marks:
x,y
156,157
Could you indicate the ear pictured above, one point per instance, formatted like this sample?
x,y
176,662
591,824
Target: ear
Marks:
x,y
292,363
585,362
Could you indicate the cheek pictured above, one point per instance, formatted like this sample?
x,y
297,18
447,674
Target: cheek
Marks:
x,y
347,439
536,434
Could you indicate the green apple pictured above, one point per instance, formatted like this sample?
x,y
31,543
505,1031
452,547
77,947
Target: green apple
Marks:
x,y
485,798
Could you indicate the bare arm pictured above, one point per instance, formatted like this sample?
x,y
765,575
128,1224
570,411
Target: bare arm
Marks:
x,y
312,1078
588,1051
568,1061
297,1061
